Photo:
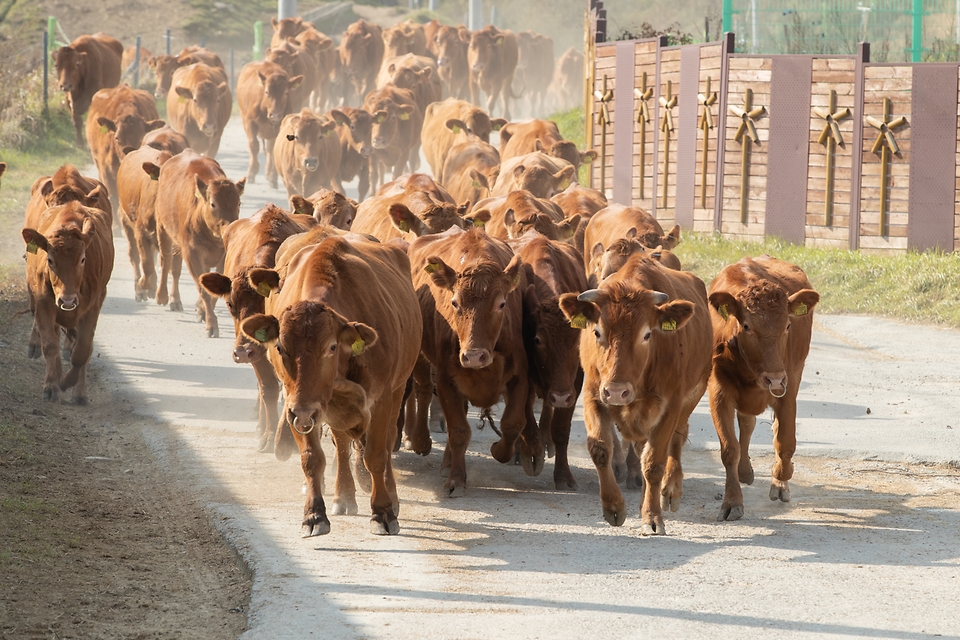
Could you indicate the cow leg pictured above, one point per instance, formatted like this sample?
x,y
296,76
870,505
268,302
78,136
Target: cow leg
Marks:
x,y
79,357
784,444
722,410
409,400
253,147
560,434
165,244
745,468
78,125
176,266
271,170
507,88
148,280
376,457
672,490
344,489
633,469
313,463
133,253
600,437
49,334
363,185
269,391
458,435
207,302
619,460
654,461
546,427
34,347
518,420
418,433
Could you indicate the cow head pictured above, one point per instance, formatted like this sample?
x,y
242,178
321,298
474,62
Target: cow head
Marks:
x,y
476,302
608,261
128,131
355,128
56,193
541,223
203,101
451,46
163,66
166,139
309,132
274,101
397,41
65,250
483,48
407,78
758,319
313,346
71,67
476,123
243,301
355,46
553,347
566,150
386,122
328,207
286,28
540,181
219,202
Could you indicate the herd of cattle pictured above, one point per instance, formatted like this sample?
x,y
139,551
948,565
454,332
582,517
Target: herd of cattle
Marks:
x,y
502,279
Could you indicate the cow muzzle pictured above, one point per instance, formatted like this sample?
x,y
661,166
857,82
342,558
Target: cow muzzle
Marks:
x,y
379,143
561,400
617,393
475,358
311,164
209,130
67,303
366,151
247,354
776,383
302,420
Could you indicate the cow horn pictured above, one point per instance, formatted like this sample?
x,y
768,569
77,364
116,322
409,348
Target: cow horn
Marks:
x,y
590,295
659,297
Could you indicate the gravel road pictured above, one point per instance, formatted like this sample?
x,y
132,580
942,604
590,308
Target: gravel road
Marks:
x,y
868,547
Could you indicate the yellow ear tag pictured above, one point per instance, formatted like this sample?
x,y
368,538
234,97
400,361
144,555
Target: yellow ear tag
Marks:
x,y
154,177
260,335
478,224
403,226
181,99
801,310
263,289
475,184
564,185
197,195
404,116
455,129
358,346
516,279
723,312
668,325
32,247
431,267
578,321
103,129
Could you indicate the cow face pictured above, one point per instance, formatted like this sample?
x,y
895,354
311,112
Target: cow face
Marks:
x,y
476,123
71,67
312,346
355,127
451,45
286,28
397,41
328,207
554,347
483,49
386,123
617,254
308,140
65,252
566,150
406,78
540,181
763,313
275,99
540,223
623,327
354,48
434,215
219,201
243,301
129,131
163,67
203,101
474,304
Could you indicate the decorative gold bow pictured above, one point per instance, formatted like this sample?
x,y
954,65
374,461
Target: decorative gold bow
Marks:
x,y
747,115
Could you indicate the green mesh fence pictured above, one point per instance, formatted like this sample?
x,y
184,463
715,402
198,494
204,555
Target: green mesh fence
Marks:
x,y
836,26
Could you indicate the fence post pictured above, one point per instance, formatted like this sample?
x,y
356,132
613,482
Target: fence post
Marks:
x,y
727,16
46,69
233,87
916,47
136,65
856,167
168,41
258,40
286,9
51,33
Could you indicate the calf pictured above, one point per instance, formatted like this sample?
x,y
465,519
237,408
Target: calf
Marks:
x,y
195,201
297,61
263,96
346,326
250,243
85,66
762,312
199,105
395,131
536,172
646,357
354,128
451,45
521,138
466,123
330,208
67,285
492,56
307,153
361,54
472,304
616,222
470,170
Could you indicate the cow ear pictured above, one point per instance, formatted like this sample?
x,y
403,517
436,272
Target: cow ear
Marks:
x,y
671,316
631,233
273,22
340,117
358,337
455,125
442,275
588,156
92,199
380,116
406,111
153,125
462,208
597,252
509,217
35,240
513,271
241,184
184,92
672,238
565,176
498,40
579,312
151,170
569,226
301,205
106,123
263,78
201,187
802,302
216,284
404,219
725,304
425,73
392,68
45,186
296,81
479,180
464,35
538,146
264,281
223,88
82,55
261,327
497,123
479,218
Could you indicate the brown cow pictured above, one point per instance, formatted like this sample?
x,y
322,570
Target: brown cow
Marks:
x,y
405,37
579,200
361,54
416,73
395,132
472,303
538,173
68,284
513,215
325,56
307,152
286,28
617,254
166,139
137,184
164,66
129,60
646,356
249,243
85,66
521,138
470,170
330,208
534,68
199,105
492,56
119,118
438,138
762,312
553,346
297,61
407,213
194,202
263,96
567,87
347,328
354,127
616,222
451,52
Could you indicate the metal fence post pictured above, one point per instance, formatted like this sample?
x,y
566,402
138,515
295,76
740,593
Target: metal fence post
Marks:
x,y
51,33
46,69
168,41
916,47
286,9
727,16
258,40
136,65
232,85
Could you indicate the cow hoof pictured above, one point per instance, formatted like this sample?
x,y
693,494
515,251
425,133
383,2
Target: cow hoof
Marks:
x,y
532,465
502,451
437,425
780,492
176,305
51,394
669,502
384,524
734,512
746,475
456,491
140,296
614,518
34,351
655,528
551,450
81,401
274,184
566,483
344,508
213,332
320,528
265,445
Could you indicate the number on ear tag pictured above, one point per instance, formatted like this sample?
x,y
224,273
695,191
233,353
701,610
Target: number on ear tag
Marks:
x,y
723,312
578,321
668,325
263,289
260,335
32,247
403,226
431,267
478,224
358,346
801,310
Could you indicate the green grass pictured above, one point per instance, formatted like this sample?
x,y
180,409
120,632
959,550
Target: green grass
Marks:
x,y
571,126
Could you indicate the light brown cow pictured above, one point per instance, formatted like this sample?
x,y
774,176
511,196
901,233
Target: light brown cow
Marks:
x,y
361,54
646,356
405,37
166,139
534,69
286,28
521,138
128,63
354,127
567,87
164,66
416,73
410,182
451,52
617,254
137,184
85,66
492,56
325,55
395,132
538,173
472,335
297,61
199,105
69,262
513,215
437,138
579,200
470,170
347,329
330,208
119,118
194,202
307,152
406,214
553,346
762,312
249,243
616,222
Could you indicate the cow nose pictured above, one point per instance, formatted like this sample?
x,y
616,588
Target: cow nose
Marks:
x,y
209,130
310,164
561,400
776,383
379,143
244,353
67,302
302,420
442,61
273,116
618,393
474,358
366,151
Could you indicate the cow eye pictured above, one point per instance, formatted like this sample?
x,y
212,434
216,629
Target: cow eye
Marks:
x,y
746,327
50,261
646,336
537,341
333,347
84,259
503,303
596,332
788,326
281,351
